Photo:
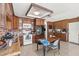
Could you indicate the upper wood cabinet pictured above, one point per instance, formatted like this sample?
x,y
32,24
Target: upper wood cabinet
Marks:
x,y
60,24
16,23
27,20
8,23
9,16
6,16
2,17
50,25
39,21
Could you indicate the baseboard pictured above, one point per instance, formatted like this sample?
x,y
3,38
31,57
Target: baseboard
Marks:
x,y
74,43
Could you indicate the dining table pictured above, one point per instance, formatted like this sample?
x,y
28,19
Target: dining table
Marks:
x,y
45,43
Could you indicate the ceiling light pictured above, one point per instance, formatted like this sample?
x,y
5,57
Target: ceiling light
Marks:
x,y
36,13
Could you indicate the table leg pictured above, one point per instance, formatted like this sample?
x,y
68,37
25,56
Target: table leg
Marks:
x,y
44,50
37,46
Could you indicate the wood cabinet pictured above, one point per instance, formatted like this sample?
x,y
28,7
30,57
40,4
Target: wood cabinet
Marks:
x,y
6,17
27,20
50,25
2,17
53,26
61,36
33,38
9,16
8,24
60,24
50,32
39,21
16,23
63,24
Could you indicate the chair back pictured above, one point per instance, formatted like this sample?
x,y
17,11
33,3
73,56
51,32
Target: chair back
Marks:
x,y
57,43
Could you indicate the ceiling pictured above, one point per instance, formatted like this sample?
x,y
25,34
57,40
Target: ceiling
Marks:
x,y
60,10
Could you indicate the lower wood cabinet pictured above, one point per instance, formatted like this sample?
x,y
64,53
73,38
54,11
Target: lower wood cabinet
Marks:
x,y
61,36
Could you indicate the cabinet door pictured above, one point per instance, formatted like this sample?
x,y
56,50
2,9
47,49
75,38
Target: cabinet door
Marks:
x,y
42,22
27,20
57,24
2,17
15,23
9,14
33,39
8,23
38,22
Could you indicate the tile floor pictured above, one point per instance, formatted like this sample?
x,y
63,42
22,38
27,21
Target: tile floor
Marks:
x,y
67,49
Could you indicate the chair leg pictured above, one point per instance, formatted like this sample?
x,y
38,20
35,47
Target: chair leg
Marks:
x,y
48,49
58,51
54,54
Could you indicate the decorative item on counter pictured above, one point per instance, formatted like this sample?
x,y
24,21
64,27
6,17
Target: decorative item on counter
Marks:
x,y
63,31
53,36
10,42
50,36
50,30
58,30
53,30
8,37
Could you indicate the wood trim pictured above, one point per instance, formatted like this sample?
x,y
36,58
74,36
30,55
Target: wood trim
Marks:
x,y
28,10
33,4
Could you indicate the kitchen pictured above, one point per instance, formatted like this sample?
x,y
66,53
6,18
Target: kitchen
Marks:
x,y
26,31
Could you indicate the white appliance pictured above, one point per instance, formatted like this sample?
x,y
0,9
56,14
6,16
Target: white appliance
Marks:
x,y
27,36
74,32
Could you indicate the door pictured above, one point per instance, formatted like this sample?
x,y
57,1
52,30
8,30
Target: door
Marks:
x,y
74,32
